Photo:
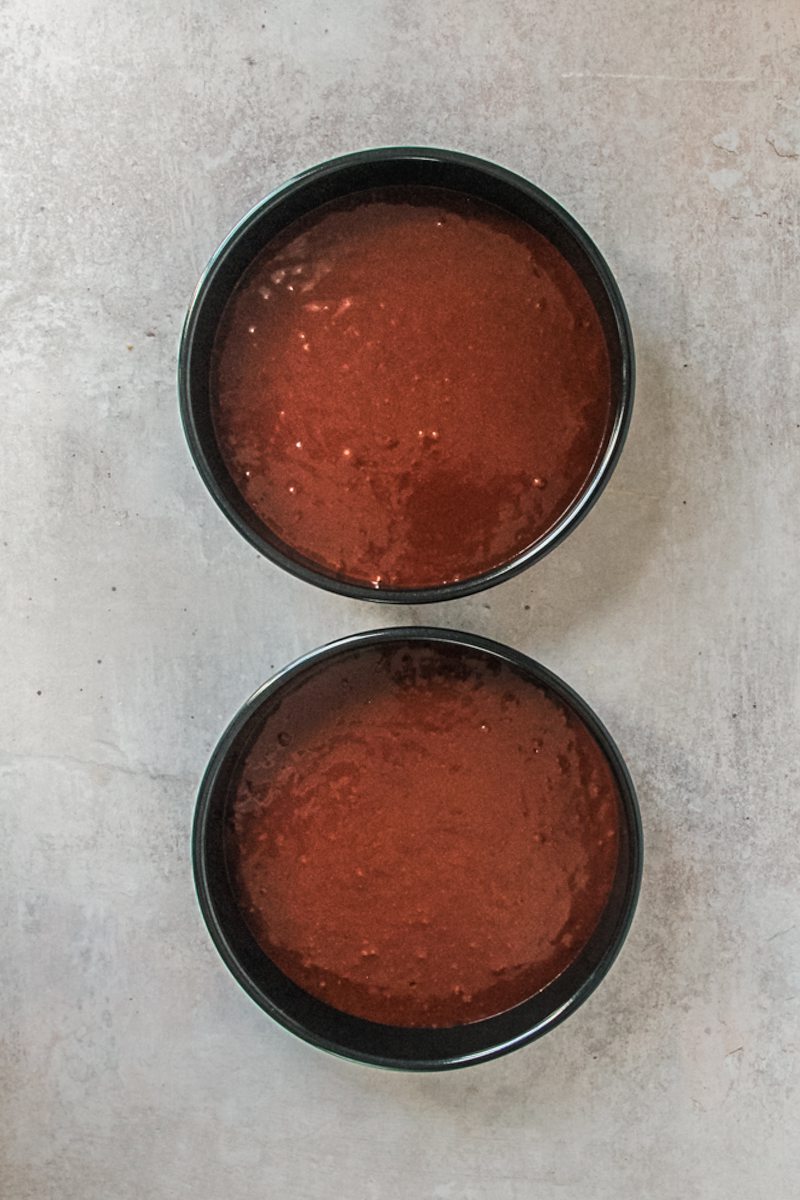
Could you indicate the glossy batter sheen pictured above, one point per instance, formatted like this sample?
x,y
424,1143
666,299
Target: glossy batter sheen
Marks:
x,y
422,837
410,388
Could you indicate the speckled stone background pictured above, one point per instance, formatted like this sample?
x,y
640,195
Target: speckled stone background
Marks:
x,y
136,621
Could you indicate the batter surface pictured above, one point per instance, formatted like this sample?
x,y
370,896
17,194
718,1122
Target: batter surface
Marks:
x,y
410,387
421,836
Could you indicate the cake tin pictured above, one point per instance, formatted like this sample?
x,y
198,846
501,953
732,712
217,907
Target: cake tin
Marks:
x,y
353,1037
333,180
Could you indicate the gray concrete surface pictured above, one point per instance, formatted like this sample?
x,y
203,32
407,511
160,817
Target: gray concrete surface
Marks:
x,y
136,621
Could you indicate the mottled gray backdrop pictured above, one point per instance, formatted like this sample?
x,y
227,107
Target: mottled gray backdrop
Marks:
x,y
136,620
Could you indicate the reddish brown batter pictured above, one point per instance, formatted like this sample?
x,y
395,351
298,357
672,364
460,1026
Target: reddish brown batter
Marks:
x,y
410,387
422,837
